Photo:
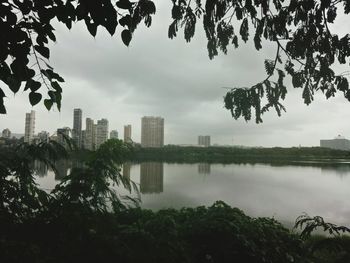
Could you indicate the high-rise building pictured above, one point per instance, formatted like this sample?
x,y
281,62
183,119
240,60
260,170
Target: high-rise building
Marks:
x,y
77,123
63,135
204,140
101,132
29,128
127,133
90,135
152,131
113,134
6,133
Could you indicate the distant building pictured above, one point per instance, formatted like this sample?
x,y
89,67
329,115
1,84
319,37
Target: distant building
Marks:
x,y
77,124
43,136
204,140
90,135
127,133
29,128
113,134
63,135
101,132
338,143
6,134
152,131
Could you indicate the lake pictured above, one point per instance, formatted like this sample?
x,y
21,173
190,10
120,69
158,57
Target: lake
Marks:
x,y
280,191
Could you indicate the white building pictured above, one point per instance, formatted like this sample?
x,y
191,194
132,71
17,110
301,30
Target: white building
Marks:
x,y
101,132
29,128
113,134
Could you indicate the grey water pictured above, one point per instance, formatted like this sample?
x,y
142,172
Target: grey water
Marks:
x,y
260,190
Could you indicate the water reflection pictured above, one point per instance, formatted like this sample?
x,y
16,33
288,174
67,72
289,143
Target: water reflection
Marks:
x,y
62,167
151,177
281,190
40,168
339,170
204,168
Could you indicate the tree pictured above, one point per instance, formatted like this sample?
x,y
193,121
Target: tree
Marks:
x,y
306,49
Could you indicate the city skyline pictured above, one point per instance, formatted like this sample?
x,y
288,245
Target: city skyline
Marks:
x,y
187,92
202,140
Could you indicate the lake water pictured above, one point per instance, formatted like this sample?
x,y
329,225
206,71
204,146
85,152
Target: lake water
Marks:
x,y
283,191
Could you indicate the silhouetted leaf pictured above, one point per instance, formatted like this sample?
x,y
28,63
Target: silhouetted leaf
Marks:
x,y
44,51
34,98
126,37
124,4
48,104
32,85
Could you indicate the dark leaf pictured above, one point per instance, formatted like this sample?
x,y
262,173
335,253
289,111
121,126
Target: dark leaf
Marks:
x,y
34,98
126,37
32,85
44,51
56,86
124,4
48,104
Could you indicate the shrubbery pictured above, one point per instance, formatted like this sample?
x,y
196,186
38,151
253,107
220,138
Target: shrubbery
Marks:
x,y
85,220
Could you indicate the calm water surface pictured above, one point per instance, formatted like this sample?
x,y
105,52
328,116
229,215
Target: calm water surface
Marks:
x,y
283,192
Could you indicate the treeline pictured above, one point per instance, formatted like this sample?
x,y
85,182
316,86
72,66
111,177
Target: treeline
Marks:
x,y
172,153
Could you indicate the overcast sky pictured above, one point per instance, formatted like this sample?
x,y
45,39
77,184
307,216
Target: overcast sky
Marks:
x,y
176,80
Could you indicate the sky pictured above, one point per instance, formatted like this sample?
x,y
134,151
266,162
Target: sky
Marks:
x,y
157,76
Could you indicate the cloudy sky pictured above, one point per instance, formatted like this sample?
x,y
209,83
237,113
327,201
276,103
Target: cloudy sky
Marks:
x,y
175,80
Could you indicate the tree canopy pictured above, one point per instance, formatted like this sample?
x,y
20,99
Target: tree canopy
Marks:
x,y
306,48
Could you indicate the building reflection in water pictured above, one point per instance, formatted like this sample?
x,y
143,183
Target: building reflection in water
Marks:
x,y
204,168
126,170
342,170
40,168
151,177
62,167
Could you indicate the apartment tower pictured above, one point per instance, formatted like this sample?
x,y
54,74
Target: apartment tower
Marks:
x,y
101,132
77,124
127,133
90,135
152,131
29,128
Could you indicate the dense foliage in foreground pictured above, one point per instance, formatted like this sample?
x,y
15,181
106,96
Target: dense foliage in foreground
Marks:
x,y
84,219
215,234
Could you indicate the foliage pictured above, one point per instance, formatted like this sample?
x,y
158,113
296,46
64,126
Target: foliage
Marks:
x,y
332,248
300,29
204,234
93,186
20,197
304,44
214,154
27,27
